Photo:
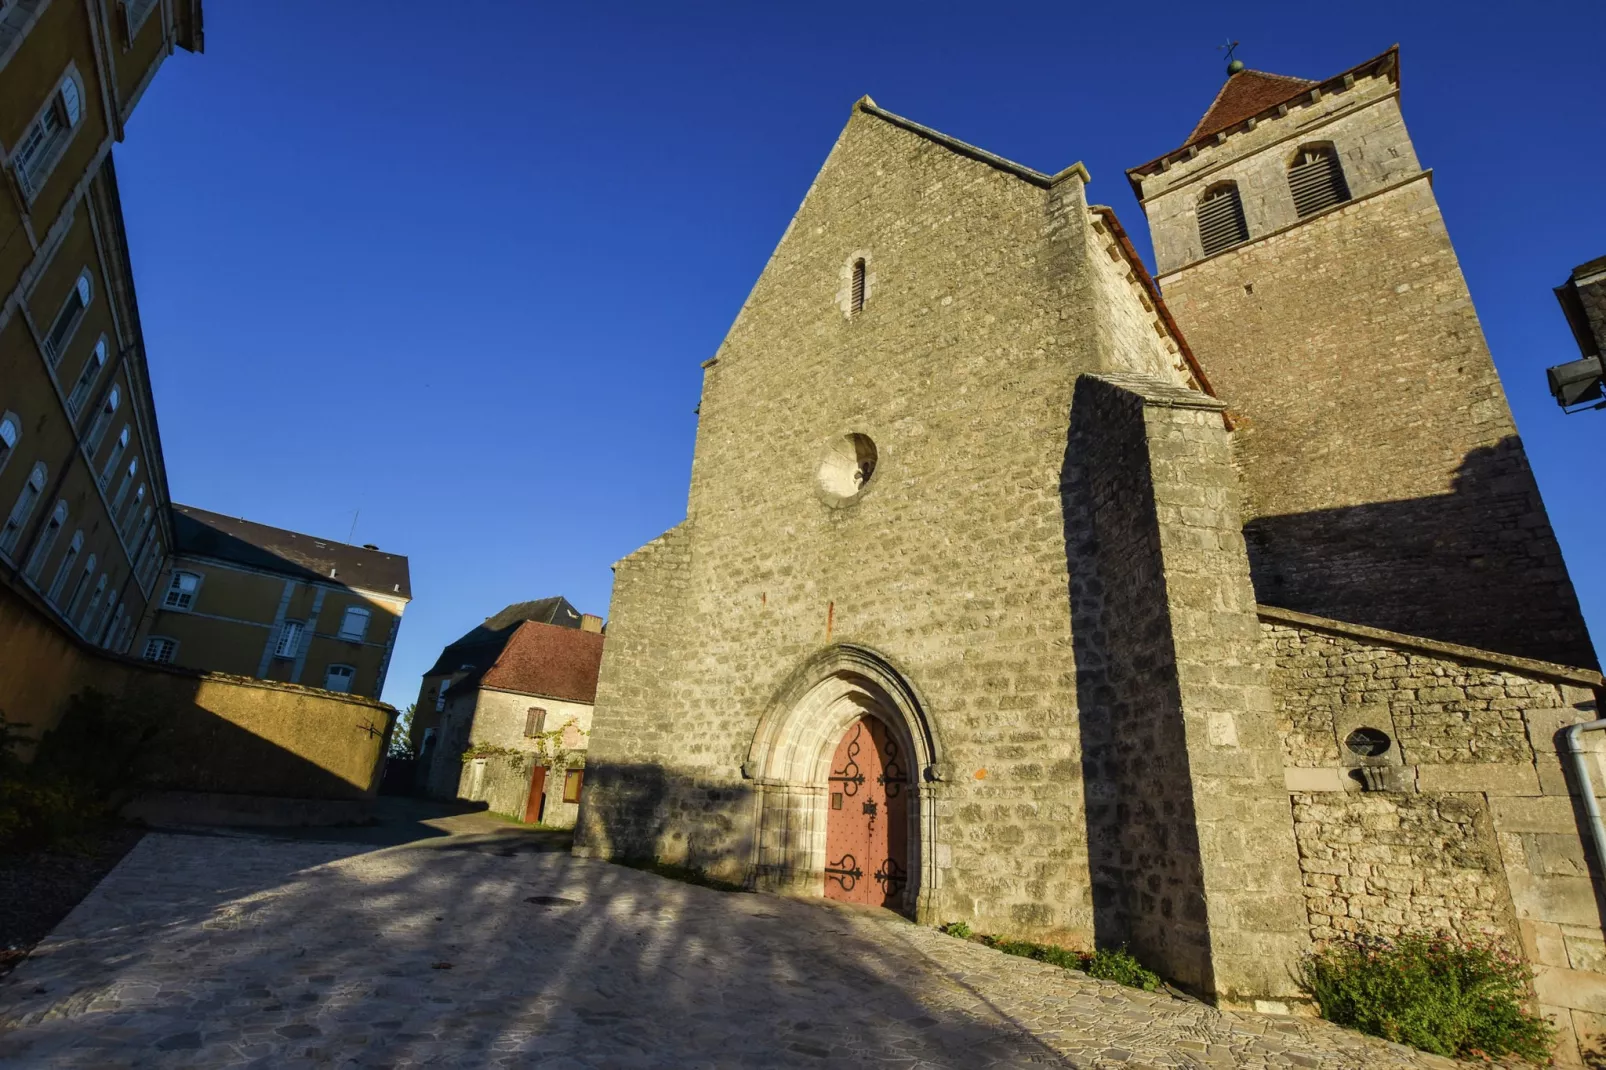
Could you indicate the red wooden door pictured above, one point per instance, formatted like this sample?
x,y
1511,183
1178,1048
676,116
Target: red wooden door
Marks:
x,y
867,818
537,802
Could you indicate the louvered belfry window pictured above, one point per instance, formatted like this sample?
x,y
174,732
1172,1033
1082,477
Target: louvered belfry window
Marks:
x,y
1317,180
1221,219
856,296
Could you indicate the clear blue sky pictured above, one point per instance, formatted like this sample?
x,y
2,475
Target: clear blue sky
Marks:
x,y
455,266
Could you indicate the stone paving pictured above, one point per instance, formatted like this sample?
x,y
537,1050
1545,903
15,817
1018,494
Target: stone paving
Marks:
x,y
496,949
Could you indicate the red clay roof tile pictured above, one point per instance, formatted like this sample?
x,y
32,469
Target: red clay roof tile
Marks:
x,y
546,660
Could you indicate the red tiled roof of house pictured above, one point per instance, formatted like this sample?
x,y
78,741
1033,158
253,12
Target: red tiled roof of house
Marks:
x,y
1245,94
549,661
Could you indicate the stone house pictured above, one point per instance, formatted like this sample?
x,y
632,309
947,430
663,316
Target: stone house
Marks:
x,y
1214,616
475,650
514,733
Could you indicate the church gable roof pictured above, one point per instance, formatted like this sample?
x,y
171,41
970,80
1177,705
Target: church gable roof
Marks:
x,y
1245,94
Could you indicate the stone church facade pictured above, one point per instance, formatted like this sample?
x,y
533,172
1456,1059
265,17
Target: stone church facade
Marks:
x,y
1113,621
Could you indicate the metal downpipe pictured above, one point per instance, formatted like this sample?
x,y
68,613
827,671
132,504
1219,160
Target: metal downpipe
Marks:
x,y
1575,752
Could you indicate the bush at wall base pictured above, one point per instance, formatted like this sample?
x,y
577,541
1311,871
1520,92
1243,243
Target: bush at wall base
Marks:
x,y
1449,998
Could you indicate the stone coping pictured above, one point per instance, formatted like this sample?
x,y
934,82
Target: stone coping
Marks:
x,y
963,148
1548,670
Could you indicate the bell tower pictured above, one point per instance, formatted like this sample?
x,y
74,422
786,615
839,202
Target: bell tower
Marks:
x,y
1301,250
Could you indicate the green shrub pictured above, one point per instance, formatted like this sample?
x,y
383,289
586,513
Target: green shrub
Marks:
x,y
957,928
1431,993
1118,964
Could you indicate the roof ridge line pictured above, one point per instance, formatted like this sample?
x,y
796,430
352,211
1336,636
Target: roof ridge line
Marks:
x,y
965,148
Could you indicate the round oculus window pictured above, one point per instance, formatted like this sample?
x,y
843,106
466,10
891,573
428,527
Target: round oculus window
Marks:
x,y
847,468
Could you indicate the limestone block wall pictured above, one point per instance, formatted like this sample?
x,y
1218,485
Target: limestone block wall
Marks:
x,y
1384,480
1473,826
950,565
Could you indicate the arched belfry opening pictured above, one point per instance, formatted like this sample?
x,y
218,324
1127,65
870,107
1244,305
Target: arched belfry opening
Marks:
x,y
846,768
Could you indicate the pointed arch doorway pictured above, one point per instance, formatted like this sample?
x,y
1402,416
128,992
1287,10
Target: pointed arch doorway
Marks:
x,y
846,731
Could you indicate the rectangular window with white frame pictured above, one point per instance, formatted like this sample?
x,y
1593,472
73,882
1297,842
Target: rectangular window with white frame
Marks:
x,y
135,12
338,678
181,591
289,639
354,624
45,140
160,649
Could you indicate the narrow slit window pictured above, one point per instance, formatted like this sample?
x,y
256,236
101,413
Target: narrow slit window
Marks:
x,y
1316,180
1221,219
856,290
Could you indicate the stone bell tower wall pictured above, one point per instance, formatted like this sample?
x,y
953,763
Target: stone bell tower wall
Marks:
x,y
1384,480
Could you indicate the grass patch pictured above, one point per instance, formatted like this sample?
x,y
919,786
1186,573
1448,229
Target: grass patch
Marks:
x,y
1458,1000
684,874
1107,964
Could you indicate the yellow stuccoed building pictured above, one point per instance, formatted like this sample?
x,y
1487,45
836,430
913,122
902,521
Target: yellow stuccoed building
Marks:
x,y
252,600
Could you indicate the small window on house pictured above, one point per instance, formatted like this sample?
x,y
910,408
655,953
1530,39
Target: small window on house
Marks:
x,y
68,319
103,419
122,488
112,458
160,649
571,785
103,621
440,696
1221,219
135,12
46,542
354,625
47,136
181,591
133,509
534,721
65,569
338,678
10,435
289,639
87,377
1316,180
79,587
22,509
856,288
93,609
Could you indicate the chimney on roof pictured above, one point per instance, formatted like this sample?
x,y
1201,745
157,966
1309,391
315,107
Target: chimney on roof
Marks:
x,y
590,622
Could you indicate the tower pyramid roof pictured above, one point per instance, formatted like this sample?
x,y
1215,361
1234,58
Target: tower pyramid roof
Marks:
x,y
1245,94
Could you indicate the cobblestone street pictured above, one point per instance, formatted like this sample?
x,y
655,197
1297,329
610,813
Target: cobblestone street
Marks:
x,y
494,948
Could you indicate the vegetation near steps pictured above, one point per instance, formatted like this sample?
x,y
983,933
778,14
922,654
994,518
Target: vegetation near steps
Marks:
x,y
1460,1000
1106,964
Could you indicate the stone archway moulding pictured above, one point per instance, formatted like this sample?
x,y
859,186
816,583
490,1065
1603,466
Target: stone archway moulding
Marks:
x,y
790,756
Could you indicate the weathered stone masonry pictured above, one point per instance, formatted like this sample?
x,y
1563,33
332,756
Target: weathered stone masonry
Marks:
x,y
1474,832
